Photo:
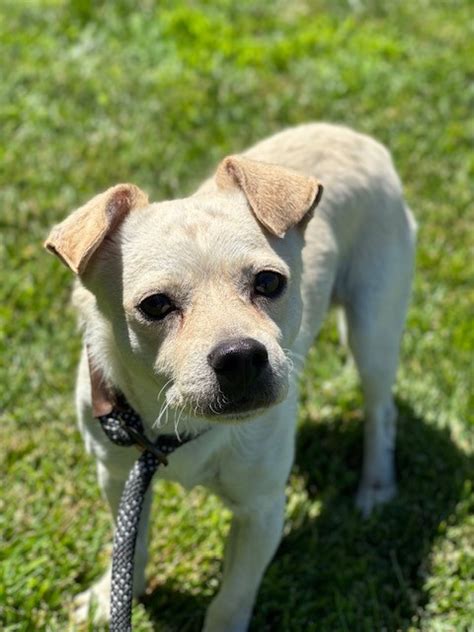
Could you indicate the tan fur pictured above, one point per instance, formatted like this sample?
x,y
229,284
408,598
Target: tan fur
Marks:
x,y
280,198
76,239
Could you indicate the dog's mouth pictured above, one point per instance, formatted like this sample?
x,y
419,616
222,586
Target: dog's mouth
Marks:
x,y
230,410
242,406
239,409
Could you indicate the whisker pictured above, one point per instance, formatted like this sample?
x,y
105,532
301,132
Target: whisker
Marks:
x,y
213,410
180,415
295,360
164,409
157,422
167,383
176,431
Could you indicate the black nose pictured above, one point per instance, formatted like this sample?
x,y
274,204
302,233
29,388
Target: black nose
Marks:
x,y
238,363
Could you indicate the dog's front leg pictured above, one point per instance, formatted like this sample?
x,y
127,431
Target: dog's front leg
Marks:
x,y
253,538
97,597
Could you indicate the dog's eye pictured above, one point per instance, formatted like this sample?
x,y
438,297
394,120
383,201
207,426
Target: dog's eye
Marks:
x,y
268,283
156,306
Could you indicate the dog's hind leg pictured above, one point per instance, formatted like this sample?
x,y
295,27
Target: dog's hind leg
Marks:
x,y
376,355
376,318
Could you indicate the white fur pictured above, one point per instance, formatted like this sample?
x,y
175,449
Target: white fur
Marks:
x,y
358,253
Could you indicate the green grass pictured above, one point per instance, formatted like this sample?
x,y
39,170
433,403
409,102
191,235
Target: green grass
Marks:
x,y
95,93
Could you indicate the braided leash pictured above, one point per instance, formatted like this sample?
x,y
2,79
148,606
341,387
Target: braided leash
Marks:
x,y
124,427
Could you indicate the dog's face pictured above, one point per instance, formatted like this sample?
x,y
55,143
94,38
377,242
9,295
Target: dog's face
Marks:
x,y
203,298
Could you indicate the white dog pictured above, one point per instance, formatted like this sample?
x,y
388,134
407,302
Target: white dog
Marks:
x,y
197,310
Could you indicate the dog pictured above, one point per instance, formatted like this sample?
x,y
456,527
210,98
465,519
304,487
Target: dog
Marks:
x,y
200,311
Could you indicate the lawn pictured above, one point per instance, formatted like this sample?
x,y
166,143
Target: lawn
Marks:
x,y
95,93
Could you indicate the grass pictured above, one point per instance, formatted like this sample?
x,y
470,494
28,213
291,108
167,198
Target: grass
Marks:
x,y
95,93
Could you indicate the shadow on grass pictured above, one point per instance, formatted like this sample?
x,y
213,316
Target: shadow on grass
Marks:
x,y
336,571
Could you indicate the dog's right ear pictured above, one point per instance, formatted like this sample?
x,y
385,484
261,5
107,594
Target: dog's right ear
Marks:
x,y
76,238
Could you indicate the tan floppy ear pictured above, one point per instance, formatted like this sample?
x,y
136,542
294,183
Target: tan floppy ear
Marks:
x,y
280,198
76,238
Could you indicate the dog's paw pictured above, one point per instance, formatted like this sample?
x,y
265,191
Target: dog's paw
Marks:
x,y
93,604
224,626
225,617
370,495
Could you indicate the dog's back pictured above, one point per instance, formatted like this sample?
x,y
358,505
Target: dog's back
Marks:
x,y
361,232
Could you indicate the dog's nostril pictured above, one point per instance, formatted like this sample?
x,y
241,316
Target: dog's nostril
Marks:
x,y
229,363
260,357
238,362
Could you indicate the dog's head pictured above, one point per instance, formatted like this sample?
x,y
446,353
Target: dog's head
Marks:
x,y
201,293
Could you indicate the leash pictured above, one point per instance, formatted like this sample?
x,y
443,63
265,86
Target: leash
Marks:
x,y
123,426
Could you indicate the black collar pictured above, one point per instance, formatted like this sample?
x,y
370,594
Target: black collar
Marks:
x,y
124,426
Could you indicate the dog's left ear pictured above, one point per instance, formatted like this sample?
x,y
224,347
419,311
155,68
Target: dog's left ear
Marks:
x,y
279,198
